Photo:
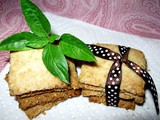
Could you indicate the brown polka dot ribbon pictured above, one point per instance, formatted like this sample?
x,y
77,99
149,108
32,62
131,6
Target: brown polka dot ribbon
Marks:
x,y
113,80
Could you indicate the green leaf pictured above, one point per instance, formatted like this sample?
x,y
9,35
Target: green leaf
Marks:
x,y
17,41
53,38
36,20
75,48
55,62
38,42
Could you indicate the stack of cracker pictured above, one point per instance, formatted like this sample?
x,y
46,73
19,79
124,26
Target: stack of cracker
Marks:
x,y
35,88
93,78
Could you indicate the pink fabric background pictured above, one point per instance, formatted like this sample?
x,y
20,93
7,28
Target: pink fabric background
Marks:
x,y
138,17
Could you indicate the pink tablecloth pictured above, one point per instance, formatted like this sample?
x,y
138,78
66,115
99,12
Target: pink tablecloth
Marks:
x,y
138,17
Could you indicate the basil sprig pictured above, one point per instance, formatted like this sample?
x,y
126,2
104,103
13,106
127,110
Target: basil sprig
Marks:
x,y
55,47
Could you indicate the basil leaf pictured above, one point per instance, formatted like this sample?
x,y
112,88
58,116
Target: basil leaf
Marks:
x,y
37,42
53,37
75,48
55,62
17,41
36,20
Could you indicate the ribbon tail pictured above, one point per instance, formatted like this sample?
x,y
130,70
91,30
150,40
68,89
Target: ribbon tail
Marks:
x,y
148,79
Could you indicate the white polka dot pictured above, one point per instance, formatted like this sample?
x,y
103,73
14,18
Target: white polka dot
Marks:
x,y
106,50
109,92
119,72
109,86
95,49
137,71
103,55
108,54
117,79
131,64
115,57
110,58
110,78
116,64
112,53
115,75
117,68
113,83
115,93
116,87
119,57
113,71
112,90
155,94
102,51
138,68
100,48
97,52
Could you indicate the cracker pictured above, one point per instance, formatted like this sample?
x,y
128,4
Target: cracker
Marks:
x,y
27,73
44,98
36,110
31,94
95,74
122,103
125,96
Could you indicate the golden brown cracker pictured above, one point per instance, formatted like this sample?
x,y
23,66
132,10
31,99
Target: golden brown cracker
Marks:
x,y
96,74
44,98
122,103
125,95
36,110
38,93
27,70
74,81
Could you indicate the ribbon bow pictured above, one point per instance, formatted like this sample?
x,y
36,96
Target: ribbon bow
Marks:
x,y
113,81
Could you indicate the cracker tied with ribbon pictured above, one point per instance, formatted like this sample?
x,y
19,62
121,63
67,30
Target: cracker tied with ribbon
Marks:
x,y
113,81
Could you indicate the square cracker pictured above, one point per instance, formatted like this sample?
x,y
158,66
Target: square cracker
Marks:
x,y
125,96
95,74
28,73
33,112
122,103
41,99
